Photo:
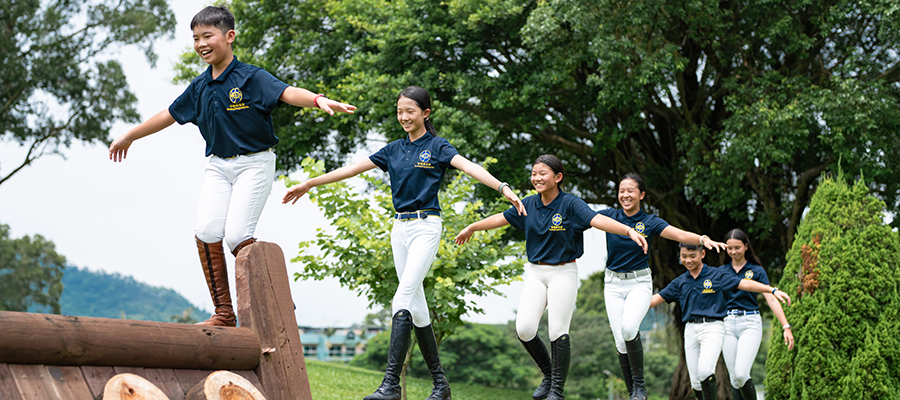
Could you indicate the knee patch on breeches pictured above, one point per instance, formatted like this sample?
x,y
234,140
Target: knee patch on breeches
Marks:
x,y
212,231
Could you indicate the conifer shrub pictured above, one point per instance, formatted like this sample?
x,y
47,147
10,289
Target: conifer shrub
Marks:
x,y
842,275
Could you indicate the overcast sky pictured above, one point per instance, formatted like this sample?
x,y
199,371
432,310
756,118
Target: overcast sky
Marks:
x,y
137,217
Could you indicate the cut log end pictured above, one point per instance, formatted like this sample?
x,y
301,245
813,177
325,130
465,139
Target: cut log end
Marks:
x,y
224,385
131,387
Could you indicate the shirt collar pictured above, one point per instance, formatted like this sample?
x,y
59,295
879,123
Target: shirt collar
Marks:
x,y
224,74
557,198
419,142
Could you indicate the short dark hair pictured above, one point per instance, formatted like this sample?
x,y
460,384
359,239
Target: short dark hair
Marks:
x,y
216,16
636,178
691,247
554,163
423,100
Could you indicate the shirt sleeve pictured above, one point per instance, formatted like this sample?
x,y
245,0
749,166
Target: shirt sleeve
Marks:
x,y
270,89
446,152
512,216
582,214
657,225
184,108
381,157
762,277
607,212
671,291
729,281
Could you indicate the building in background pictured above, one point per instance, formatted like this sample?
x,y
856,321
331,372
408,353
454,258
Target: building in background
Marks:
x,y
335,344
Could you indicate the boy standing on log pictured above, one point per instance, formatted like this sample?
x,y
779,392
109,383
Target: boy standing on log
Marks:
x,y
231,102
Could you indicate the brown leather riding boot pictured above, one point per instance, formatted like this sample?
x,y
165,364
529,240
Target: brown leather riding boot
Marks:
x,y
212,257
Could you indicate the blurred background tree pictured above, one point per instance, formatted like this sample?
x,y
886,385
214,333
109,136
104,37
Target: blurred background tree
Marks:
x,y
52,58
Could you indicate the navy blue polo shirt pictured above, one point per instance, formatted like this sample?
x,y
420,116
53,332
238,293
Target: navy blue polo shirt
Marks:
x,y
703,296
553,232
742,299
416,170
621,253
233,111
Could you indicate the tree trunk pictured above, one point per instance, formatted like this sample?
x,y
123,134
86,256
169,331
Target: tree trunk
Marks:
x,y
224,385
131,387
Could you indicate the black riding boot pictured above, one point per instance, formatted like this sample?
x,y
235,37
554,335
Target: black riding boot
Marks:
x,y
698,394
748,391
390,386
735,394
626,372
560,351
710,390
636,360
538,352
428,345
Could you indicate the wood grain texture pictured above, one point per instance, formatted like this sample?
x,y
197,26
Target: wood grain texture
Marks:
x,y
8,388
30,338
264,305
34,381
70,382
96,378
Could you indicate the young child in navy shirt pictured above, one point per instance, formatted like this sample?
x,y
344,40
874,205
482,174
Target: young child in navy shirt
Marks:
x,y
553,241
628,285
416,165
231,103
743,325
701,294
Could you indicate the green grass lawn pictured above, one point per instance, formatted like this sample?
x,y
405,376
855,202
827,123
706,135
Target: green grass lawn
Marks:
x,y
335,381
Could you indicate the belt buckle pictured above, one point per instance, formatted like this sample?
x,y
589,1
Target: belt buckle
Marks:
x,y
422,214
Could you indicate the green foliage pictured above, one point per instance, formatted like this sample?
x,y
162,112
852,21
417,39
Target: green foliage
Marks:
x,y
56,86
333,381
730,110
841,275
99,294
31,273
358,250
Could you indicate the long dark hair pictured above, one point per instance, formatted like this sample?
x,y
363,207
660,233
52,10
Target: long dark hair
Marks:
x,y
423,100
555,164
750,254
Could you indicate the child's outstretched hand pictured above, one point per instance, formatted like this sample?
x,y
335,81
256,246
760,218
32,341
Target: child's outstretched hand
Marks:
x,y
329,106
119,148
464,235
295,193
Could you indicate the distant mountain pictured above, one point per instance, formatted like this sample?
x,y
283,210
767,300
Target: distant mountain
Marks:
x,y
98,294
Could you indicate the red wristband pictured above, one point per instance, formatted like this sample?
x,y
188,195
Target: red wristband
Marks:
x,y
316,101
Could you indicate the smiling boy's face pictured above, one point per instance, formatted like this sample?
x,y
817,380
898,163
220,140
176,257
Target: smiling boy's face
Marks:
x,y
213,45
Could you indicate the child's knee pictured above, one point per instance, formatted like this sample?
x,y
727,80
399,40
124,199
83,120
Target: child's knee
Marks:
x,y
211,232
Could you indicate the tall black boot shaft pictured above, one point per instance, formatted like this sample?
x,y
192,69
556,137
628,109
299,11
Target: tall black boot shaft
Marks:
x,y
400,335
698,394
636,360
626,372
735,395
560,352
748,391
429,348
538,352
710,389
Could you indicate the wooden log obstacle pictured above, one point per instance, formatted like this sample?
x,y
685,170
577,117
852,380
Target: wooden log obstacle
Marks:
x,y
45,356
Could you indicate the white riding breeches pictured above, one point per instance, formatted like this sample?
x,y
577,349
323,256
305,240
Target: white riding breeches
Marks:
x,y
702,346
627,302
743,334
415,244
233,196
551,287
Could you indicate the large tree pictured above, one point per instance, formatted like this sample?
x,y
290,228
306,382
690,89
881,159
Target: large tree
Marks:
x,y
57,82
732,110
31,272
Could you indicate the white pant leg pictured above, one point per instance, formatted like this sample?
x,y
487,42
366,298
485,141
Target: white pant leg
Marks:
x,y
215,197
233,196
562,291
730,345
254,176
702,346
750,335
627,302
415,245
532,303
